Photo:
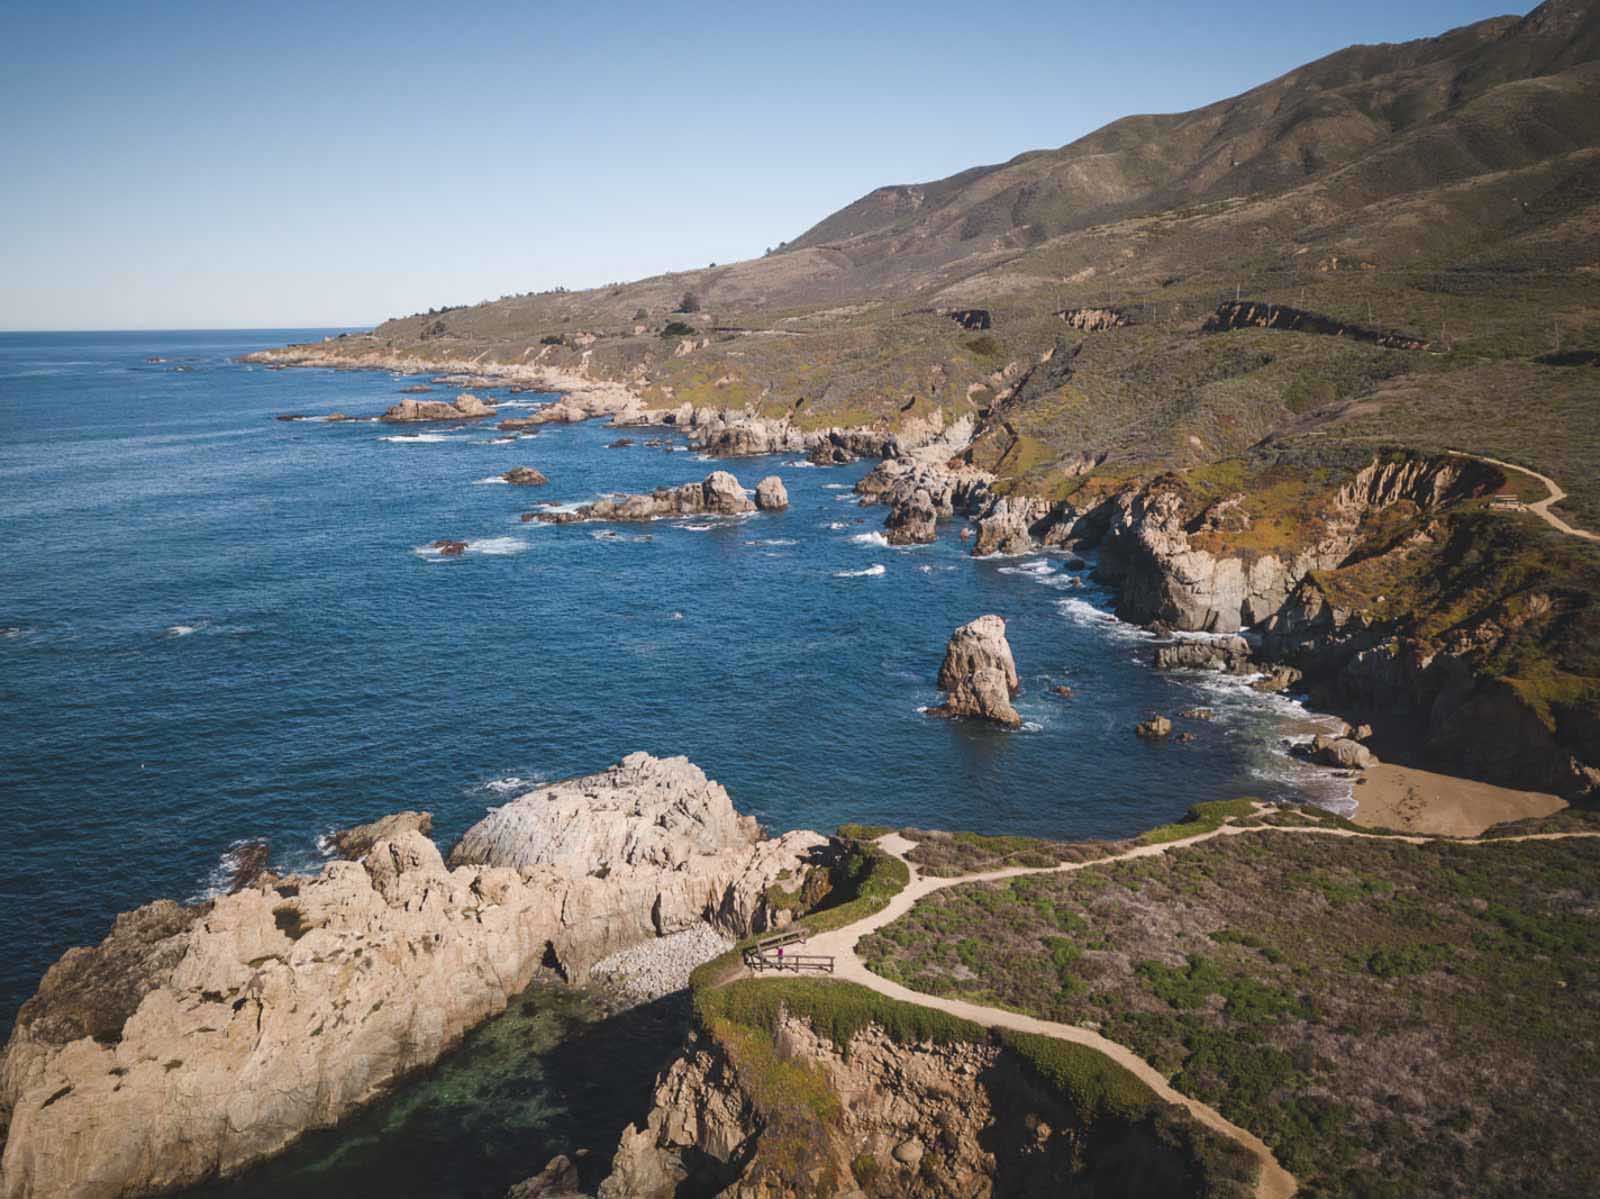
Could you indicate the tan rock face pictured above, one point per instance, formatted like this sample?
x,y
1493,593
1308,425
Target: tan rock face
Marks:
x,y
642,811
979,675
353,844
195,1041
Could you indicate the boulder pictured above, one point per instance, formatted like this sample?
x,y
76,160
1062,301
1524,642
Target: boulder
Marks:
x,y
525,476
558,1180
979,675
1341,752
1154,729
771,495
450,549
1278,678
620,443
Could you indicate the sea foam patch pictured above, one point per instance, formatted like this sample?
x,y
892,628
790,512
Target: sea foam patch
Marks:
x,y
877,568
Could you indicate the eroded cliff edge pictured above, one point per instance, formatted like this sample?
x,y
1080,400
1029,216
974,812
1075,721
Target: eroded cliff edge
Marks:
x,y
826,1088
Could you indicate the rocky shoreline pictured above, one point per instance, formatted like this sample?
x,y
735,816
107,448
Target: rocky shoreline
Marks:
x,y
195,1041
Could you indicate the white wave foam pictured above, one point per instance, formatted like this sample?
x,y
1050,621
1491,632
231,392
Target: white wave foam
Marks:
x,y
698,528
869,539
493,547
502,440
773,541
801,464
492,479
877,568
417,438
183,630
1081,611
836,487
497,546
676,616
512,784
844,499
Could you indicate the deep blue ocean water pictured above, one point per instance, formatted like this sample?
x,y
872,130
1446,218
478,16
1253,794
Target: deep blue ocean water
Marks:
x,y
218,626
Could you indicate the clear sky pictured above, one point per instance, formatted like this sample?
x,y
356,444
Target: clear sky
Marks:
x,y
177,165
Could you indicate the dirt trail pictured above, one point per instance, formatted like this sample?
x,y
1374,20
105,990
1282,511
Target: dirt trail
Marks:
x,y
1541,507
1275,1182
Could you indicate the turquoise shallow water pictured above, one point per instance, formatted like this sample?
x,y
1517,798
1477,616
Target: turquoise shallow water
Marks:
x,y
218,626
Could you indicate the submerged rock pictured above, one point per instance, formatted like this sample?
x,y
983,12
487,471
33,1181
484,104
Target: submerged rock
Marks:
x,y
1154,729
450,549
979,675
771,495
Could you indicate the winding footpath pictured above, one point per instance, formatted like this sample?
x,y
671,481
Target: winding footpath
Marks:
x,y
1540,508
1275,1182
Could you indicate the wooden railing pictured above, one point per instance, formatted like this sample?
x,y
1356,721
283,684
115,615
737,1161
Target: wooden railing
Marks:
x,y
796,962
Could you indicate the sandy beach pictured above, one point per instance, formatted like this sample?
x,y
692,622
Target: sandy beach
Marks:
x,y
1420,801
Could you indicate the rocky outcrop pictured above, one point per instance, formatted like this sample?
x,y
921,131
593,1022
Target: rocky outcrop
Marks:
x,y
525,476
953,1120
1253,314
353,844
771,494
194,1041
1231,654
465,407
1094,320
979,675
719,494
449,548
921,489
1154,729
1018,524
913,520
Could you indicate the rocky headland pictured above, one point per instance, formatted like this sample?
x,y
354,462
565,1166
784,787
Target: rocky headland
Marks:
x,y
196,1040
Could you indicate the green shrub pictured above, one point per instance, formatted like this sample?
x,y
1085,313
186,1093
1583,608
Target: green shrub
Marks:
x,y
1202,818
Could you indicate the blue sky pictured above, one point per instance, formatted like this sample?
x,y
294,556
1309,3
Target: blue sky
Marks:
x,y
235,165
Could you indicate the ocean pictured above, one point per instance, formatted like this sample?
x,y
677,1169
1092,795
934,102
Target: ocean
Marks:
x,y
218,626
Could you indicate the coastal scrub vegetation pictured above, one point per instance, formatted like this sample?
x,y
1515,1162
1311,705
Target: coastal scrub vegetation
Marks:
x,y
949,855
1393,1019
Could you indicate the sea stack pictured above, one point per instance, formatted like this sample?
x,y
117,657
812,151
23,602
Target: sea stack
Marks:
x,y
771,494
979,675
